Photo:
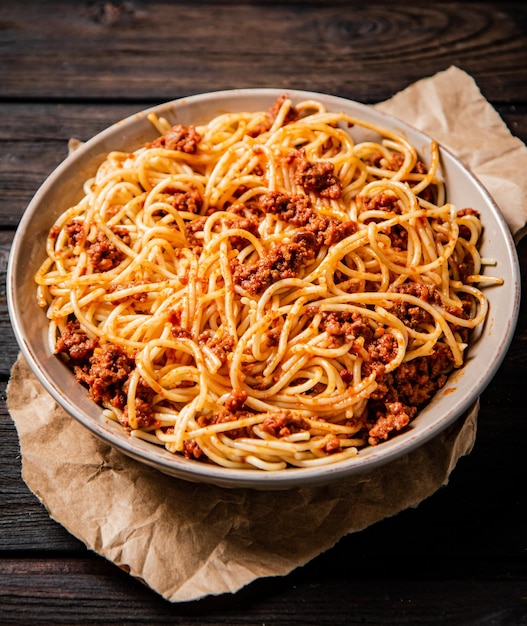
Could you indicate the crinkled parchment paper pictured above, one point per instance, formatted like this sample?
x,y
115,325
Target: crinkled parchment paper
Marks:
x,y
189,540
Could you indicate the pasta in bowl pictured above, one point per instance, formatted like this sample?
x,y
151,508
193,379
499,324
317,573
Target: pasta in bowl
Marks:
x,y
267,289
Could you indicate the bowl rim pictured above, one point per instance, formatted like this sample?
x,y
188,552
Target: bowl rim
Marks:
x,y
402,444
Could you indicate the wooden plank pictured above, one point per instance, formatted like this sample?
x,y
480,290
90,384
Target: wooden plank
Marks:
x,y
366,51
73,591
34,140
8,346
24,522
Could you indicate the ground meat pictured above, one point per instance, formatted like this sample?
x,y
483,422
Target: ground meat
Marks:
x,y
378,159
75,231
374,159
440,363
245,223
109,368
395,163
307,240
174,317
467,211
273,334
383,349
377,368
465,266
235,400
283,423
397,417
346,376
105,369
318,177
122,233
54,232
271,115
239,242
292,114
398,236
224,415
177,331
220,346
294,209
190,201
414,316
180,333
464,232
330,231
179,137
346,325
75,343
191,450
383,201
194,227
415,382
419,290
317,389
283,261
428,193
144,413
404,391
463,312
249,210
332,445
104,254
401,393
316,230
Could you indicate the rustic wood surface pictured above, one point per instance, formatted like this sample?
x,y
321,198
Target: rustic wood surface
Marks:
x,y
70,69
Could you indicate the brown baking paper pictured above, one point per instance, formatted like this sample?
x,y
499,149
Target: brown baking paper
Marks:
x,y
188,540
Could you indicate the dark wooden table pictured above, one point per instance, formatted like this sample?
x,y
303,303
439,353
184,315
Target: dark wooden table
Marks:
x,y
69,69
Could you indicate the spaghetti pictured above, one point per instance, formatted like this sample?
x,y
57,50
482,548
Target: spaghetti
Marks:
x,y
261,291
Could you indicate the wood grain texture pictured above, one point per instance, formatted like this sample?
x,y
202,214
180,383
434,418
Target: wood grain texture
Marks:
x,y
34,140
403,596
70,69
366,51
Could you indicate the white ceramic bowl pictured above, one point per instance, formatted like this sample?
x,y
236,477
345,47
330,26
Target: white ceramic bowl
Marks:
x,y
64,187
